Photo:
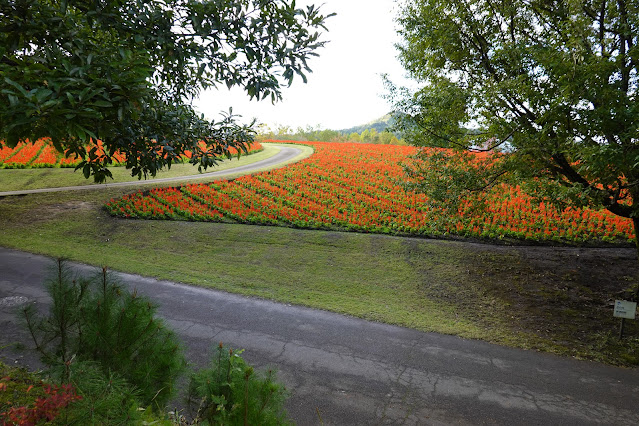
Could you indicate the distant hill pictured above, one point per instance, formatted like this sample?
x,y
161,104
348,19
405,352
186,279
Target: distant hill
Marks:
x,y
380,125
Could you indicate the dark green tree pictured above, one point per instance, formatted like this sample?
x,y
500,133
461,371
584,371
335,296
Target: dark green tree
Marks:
x,y
98,320
550,88
125,71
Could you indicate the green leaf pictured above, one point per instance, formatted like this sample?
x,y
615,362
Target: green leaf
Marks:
x,y
17,86
50,103
80,133
104,104
71,99
42,94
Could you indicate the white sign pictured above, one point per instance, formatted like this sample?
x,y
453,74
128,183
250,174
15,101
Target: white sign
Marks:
x,y
625,309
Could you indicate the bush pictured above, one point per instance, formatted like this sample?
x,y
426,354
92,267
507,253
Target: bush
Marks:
x,y
233,393
90,398
106,399
25,399
98,320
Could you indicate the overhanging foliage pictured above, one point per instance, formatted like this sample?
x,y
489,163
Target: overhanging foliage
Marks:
x,y
553,83
124,72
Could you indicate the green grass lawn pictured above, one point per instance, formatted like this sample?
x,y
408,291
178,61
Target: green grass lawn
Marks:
x,y
514,296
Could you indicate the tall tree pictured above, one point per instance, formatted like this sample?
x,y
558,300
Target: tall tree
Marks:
x,y
124,72
369,136
550,85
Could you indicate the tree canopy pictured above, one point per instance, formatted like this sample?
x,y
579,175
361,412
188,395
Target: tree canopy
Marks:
x,y
547,88
125,71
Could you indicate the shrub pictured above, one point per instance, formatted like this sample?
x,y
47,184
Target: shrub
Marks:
x,y
96,319
231,392
25,399
105,343
91,397
106,398
44,409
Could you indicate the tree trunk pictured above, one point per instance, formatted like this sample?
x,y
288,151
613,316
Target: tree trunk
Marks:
x,y
635,223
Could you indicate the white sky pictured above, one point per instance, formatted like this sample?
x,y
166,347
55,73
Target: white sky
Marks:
x,y
345,87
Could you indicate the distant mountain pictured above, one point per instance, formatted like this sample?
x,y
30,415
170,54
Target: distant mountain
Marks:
x,y
380,125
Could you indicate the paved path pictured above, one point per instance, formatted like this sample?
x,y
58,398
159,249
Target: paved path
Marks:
x,y
286,154
354,372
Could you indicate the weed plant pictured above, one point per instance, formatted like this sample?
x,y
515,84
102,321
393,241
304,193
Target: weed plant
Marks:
x,y
106,399
91,398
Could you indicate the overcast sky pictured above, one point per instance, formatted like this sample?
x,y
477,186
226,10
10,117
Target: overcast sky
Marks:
x,y
345,87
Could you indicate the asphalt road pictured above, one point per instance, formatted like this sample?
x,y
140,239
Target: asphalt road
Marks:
x,y
346,371
286,153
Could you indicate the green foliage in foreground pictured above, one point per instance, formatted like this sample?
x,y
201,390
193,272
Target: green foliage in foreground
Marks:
x,y
117,357
98,320
98,399
232,392
125,72
106,398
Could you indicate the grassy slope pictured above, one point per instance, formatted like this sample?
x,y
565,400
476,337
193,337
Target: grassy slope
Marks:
x,y
475,291
17,179
328,270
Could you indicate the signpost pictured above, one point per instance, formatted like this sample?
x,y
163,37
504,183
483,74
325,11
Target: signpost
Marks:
x,y
624,309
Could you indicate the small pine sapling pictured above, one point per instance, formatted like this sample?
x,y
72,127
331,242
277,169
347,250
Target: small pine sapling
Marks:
x,y
98,320
232,392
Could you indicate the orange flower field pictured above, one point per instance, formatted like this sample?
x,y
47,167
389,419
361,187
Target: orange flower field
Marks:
x,y
43,154
39,154
346,186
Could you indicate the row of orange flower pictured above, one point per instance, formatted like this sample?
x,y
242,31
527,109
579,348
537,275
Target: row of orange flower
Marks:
x,y
43,154
356,187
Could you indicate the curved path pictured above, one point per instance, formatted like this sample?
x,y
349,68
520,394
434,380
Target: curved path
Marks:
x,y
286,155
346,371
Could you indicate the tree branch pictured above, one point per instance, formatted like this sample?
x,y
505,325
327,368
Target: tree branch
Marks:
x,y
608,199
488,184
493,146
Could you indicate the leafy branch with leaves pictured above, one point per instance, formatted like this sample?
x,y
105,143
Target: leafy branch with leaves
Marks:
x,y
549,88
125,71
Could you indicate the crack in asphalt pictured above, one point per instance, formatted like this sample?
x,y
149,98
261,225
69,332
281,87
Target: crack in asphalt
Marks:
x,y
402,396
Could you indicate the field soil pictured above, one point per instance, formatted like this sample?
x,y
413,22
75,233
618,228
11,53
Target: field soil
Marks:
x,y
563,295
